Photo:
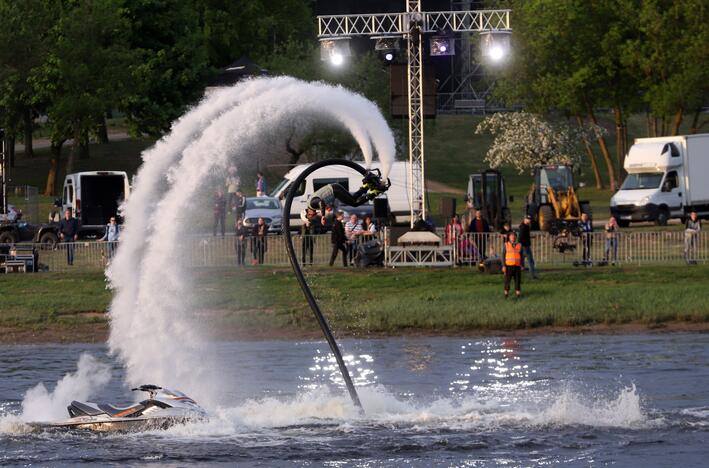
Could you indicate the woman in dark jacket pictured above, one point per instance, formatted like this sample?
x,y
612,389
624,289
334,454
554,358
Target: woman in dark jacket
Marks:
x,y
259,244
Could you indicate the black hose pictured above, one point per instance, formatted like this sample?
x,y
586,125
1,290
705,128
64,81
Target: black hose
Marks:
x,y
299,272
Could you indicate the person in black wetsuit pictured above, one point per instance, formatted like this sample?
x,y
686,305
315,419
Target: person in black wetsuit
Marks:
x,y
372,185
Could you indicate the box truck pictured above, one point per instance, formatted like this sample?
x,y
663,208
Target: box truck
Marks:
x,y
668,177
397,195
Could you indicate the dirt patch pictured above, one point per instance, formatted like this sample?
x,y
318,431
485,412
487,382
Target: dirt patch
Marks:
x,y
434,186
98,332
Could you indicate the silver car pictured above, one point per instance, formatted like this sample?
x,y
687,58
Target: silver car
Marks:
x,y
268,208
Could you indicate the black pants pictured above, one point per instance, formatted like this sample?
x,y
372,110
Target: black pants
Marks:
x,y
586,243
240,248
308,247
341,193
338,248
513,272
70,251
219,218
259,250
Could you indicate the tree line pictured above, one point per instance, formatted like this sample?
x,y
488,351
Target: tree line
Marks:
x,y
628,56
77,61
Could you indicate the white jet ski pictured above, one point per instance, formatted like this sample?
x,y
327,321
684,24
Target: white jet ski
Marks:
x,y
163,408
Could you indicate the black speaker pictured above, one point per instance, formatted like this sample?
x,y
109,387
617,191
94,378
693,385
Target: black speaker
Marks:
x,y
447,207
381,208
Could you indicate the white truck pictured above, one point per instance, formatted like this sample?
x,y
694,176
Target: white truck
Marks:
x,y
397,195
94,197
668,177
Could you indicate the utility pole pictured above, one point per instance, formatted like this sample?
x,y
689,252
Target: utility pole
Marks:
x,y
412,25
3,174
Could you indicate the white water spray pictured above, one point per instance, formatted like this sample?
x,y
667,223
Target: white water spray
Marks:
x,y
153,330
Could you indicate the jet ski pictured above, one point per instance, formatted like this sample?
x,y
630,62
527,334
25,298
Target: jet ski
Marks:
x,y
162,409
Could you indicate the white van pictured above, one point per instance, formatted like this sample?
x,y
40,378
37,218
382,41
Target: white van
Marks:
x,y
94,197
397,195
667,178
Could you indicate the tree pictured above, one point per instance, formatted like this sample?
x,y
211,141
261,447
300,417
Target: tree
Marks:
x,y
24,49
568,58
256,28
171,65
85,73
524,140
670,56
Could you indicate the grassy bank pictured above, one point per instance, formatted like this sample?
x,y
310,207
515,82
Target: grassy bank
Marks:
x,y
384,301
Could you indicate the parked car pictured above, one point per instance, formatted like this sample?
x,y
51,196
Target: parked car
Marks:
x,y
268,208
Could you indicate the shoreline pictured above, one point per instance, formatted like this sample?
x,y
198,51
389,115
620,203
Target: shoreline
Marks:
x,y
95,333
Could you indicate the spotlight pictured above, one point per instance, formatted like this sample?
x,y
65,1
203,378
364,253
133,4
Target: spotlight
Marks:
x,y
335,50
387,47
442,45
495,45
337,59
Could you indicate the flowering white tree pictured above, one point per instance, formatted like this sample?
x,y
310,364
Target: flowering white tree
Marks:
x,y
524,140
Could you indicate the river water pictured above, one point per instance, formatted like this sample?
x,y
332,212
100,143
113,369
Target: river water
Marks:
x,y
632,400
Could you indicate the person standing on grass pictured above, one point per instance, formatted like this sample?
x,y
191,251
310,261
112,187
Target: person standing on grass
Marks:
x,y
512,266
259,242
260,185
219,206
693,227
239,205
586,227
353,229
525,239
113,232
240,235
612,230
312,223
339,239
480,228
69,233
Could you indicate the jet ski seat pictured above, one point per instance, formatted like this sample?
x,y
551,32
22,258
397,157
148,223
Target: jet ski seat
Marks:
x,y
119,412
76,408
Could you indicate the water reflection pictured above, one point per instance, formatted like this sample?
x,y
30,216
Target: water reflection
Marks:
x,y
418,357
496,366
325,370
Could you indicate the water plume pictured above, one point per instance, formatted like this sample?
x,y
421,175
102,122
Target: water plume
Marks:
x,y
153,329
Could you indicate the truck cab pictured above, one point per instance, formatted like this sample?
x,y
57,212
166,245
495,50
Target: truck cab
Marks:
x,y
486,192
658,182
94,197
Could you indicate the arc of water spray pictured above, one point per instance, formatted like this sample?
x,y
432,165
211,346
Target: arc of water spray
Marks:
x,y
322,321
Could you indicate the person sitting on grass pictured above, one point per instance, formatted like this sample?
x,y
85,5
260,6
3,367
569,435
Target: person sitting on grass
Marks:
x,y
512,266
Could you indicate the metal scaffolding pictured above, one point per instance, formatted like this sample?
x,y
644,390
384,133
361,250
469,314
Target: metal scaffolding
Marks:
x,y
411,25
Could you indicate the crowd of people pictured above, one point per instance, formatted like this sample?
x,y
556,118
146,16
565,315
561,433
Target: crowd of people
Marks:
x,y
471,241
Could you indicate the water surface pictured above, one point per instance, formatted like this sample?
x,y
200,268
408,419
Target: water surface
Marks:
x,y
638,400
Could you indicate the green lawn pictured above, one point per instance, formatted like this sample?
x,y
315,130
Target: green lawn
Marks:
x,y
389,301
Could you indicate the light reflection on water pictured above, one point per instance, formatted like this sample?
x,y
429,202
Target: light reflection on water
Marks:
x,y
495,366
326,371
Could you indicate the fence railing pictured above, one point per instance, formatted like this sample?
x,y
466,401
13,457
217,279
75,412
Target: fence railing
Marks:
x,y
638,248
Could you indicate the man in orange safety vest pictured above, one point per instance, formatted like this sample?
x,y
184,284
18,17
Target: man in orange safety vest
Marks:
x,y
512,267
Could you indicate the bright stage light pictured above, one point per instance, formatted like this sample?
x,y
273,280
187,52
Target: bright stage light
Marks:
x,y
442,46
337,59
389,56
495,45
335,50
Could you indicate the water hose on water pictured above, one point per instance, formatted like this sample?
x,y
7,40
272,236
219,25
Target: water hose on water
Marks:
x,y
299,272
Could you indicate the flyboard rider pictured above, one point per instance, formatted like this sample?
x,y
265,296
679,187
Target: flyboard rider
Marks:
x,y
372,186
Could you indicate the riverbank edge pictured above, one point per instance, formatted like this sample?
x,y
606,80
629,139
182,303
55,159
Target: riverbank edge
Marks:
x,y
98,332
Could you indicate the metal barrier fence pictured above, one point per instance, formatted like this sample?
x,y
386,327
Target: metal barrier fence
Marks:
x,y
642,247
656,247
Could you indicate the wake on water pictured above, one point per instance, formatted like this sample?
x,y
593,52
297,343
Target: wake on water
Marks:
x,y
229,127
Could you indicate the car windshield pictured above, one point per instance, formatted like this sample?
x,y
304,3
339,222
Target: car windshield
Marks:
x,y
644,180
261,203
556,177
279,187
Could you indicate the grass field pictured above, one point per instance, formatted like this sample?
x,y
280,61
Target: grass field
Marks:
x,y
387,301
